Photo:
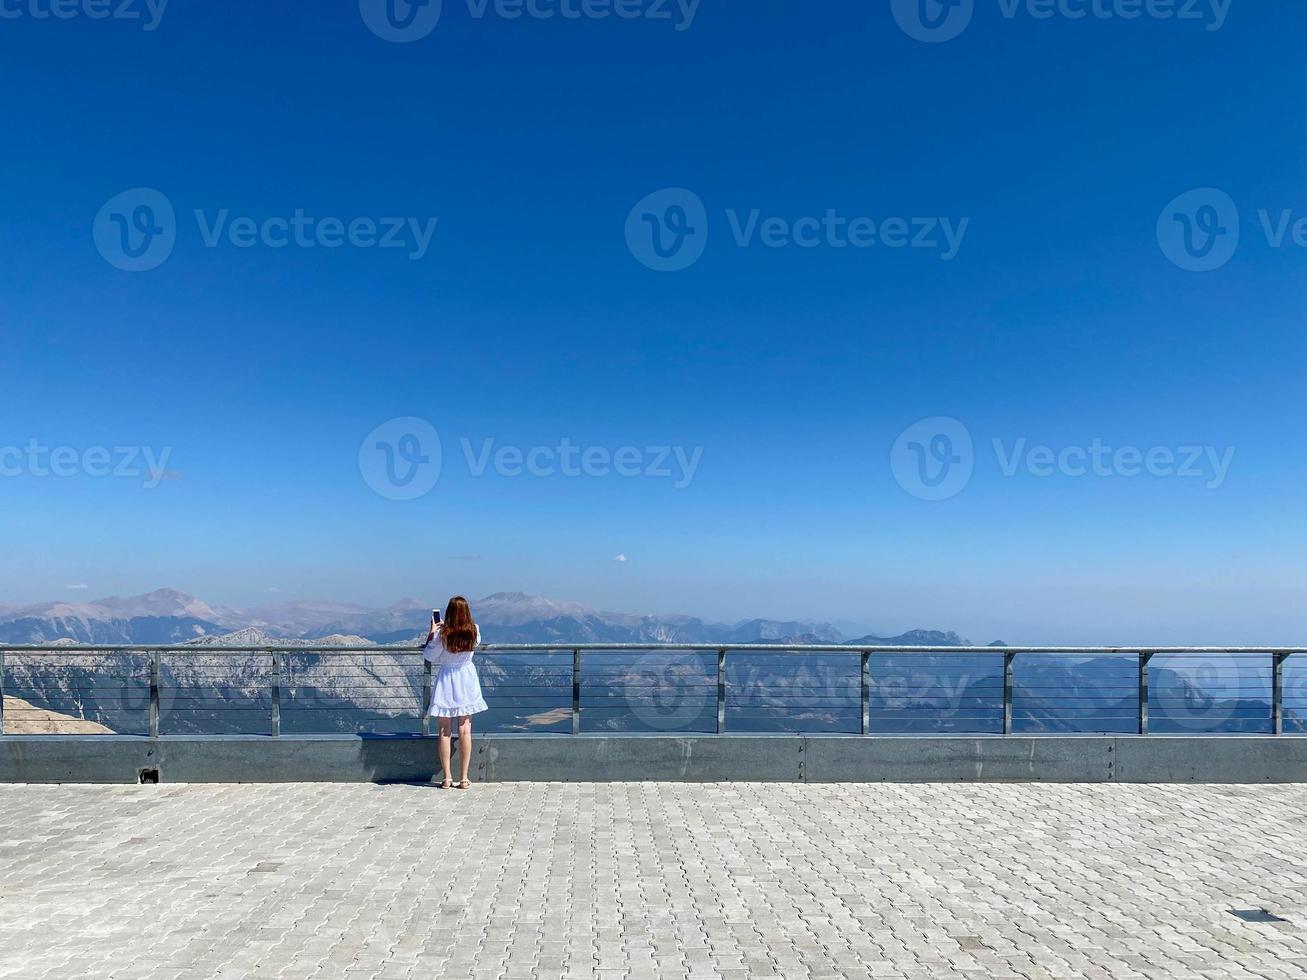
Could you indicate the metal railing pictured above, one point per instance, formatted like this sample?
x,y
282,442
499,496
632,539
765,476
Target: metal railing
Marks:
x,y
870,696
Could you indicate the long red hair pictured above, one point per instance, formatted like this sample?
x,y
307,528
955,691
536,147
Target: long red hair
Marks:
x,y
459,634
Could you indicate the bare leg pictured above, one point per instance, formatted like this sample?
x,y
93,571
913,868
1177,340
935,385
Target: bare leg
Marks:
x,y
446,724
464,746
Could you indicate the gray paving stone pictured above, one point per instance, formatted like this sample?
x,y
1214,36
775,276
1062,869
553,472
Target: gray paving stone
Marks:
x,y
652,880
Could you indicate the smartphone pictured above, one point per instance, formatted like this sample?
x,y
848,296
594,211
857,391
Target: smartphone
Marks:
x,y
435,614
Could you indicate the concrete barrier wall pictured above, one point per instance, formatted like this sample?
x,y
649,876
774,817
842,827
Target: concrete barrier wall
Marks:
x,y
702,758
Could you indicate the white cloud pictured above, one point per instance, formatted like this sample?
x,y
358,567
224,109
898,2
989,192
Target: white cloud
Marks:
x,y
273,588
621,558
77,586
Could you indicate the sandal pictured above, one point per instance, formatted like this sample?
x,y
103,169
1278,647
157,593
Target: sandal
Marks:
x,y
463,784
447,784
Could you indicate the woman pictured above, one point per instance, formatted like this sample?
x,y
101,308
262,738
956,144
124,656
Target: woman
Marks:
x,y
457,690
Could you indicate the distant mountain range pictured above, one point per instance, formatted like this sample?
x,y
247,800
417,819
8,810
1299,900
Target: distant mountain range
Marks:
x,y
170,616
381,690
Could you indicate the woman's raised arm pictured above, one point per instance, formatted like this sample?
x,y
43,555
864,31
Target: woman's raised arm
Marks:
x,y
431,633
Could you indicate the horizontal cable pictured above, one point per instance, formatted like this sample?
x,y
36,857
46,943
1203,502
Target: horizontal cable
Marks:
x,y
29,649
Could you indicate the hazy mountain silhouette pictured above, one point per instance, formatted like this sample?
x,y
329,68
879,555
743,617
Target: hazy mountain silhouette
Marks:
x,y
170,616
380,691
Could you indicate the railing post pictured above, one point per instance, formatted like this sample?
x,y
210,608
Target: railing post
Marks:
x,y
155,658
1143,692
426,697
276,694
865,685
576,692
721,692
1007,692
1277,692
2,692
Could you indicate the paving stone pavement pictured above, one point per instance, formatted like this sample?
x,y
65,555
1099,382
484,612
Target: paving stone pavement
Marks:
x,y
644,880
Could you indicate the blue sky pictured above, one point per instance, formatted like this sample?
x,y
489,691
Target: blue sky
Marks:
x,y
529,318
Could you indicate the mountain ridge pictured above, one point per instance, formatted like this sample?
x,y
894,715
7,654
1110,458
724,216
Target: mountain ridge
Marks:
x,y
172,616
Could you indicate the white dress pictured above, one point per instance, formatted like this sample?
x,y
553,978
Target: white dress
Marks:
x,y
457,689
